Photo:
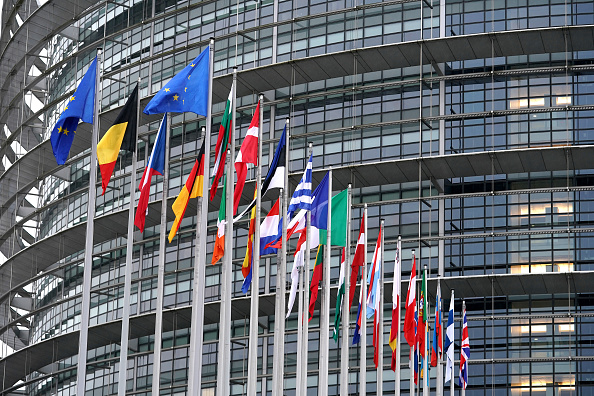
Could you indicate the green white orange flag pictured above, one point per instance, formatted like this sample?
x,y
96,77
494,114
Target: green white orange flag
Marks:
x,y
219,248
222,144
192,189
121,136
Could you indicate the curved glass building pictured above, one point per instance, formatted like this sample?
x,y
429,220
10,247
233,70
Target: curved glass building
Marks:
x,y
467,125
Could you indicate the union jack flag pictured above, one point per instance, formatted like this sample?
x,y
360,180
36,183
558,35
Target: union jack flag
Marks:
x,y
464,351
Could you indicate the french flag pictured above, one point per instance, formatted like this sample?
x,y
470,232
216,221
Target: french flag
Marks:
x,y
155,165
269,230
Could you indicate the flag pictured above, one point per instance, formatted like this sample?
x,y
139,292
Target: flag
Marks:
x,y
269,230
449,342
219,248
155,165
186,91
246,267
464,352
410,317
121,136
357,334
358,259
339,297
436,347
315,281
300,229
192,189
393,340
319,205
80,106
225,135
248,154
422,318
302,196
275,178
339,220
374,279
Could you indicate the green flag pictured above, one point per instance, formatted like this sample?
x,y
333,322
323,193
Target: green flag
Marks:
x,y
339,297
338,219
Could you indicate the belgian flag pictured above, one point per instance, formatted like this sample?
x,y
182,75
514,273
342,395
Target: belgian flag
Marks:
x,y
192,189
121,136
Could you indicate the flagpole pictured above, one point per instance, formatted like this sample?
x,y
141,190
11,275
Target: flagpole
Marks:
x,y
224,350
325,305
122,375
344,346
462,388
83,339
380,358
439,382
278,368
305,317
411,356
161,268
254,302
363,329
425,349
452,390
197,329
398,281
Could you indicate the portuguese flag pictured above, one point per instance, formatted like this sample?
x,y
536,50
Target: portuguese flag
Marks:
x,y
315,281
121,136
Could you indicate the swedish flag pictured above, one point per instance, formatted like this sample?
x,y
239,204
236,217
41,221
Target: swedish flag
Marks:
x,y
80,106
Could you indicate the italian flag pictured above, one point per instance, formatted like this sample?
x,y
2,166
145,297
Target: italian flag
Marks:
x,y
339,297
219,248
222,145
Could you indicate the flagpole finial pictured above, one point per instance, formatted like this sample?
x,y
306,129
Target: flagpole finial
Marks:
x,y
349,186
413,251
261,96
310,144
287,120
212,39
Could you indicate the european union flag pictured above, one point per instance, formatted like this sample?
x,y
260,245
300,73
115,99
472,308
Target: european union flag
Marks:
x,y
186,91
80,106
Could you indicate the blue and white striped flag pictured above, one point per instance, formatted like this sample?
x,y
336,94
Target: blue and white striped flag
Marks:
x,y
302,198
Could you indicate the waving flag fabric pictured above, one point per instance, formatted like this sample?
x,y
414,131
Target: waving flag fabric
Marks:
x,y
339,220
302,196
358,259
186,91
225,135
357,334
315,281
449,342
192,189
269,230
436,347
248,154
155,165
374,297
422,330
410,317
464,352
339,297
80,106
395,326
219,247
246,267
319,205
121,136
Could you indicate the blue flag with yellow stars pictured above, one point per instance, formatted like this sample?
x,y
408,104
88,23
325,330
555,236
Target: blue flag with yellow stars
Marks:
x,y
186,91
80,106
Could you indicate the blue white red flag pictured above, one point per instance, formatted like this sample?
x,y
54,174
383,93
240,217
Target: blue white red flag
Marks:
x,y
449,342
464,351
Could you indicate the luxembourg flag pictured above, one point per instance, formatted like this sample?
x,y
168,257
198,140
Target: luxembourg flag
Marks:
x,y
464,351
155,165
269,230
373,298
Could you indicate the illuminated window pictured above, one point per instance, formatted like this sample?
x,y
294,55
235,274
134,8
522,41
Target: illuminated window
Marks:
x,y
563,100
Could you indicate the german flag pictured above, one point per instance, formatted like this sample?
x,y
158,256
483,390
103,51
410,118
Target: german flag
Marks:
x,y
192,189
121,136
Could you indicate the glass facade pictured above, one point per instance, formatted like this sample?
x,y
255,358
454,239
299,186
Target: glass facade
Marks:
x,y
467,126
